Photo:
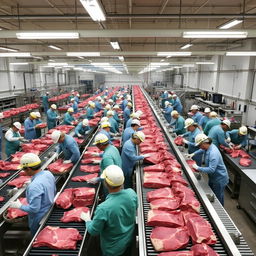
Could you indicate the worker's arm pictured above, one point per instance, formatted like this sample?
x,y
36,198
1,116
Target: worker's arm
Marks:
x,y
9,136
185,134
206,129
75,152
130,153
51,116
96,225
244,141
34,198
221,139
199,151
213,163
107,161
77,129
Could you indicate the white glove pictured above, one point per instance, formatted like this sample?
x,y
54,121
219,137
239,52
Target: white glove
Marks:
x,y
238,147
85,216
195,166
55,155
146,155
171,130
96,161
87,132
228,140
26,183
15,204
185,141
67,162
189,156
95,154
79,135
21,138
94,180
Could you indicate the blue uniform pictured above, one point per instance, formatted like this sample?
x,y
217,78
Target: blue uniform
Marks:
x,y
116,116
197,117
218,136
98,106
129,158
236,138
179,125
68,119
216,170
177,105
203,121
167,113
124,104
80,129
114,125
45,99
30,130
76,99
211,123
107,134
114,97
89,113
70,149
127,113
40,195
75,107
51,118
38,131
127,134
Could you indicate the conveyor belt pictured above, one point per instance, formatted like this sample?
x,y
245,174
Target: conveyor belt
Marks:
x,y
224,245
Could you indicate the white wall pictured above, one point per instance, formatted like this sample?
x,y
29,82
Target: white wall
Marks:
x,y
120,80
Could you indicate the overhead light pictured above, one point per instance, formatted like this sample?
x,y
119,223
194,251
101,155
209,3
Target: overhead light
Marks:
x,y
186,46
76,54
162,60
215,34
205,63
53,64
47,35
80,57
39,58
156,64
115,45
188,65
121,58
171,54
94,9
230,24
19,63
79,69
15,54
8,49
240,53
177,67
55,47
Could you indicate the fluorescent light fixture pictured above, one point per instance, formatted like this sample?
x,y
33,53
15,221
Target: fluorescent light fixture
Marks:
x,y
82,54
94,9
53,64
55,47
19,63
230,24
115,45
240,53
158,64
205,63
39,58
177,67
215,34
47,35
188,65
100,64
15,54
186,46
79,69
162,60
121,58
80,57
8,49
174,54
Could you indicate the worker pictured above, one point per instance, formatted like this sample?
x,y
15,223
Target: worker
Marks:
x,y
114,125
218,134
98,105
13,139
238,137
30,126
133,116
1,134
111,103
127,134
127,113
178,123
129,156
76,98
74,105
72,95
40,192
52,117
177,104
82,128
68,145
105,129
114,219
170,99
214,120
193,131
90,110
68,117
115,110
106,109
45,100
196,115
214,165
167,111
124,103
38,121
205,118
114,96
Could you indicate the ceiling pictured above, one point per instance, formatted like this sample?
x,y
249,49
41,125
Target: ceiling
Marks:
x,y
123,18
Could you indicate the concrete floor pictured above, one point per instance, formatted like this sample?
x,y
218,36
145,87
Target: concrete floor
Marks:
x,y
243,222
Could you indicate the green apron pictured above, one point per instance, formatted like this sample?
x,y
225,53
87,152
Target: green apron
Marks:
x,y
11,147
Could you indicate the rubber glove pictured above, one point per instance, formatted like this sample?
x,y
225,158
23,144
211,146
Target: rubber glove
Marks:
x,y
171,130
85,216
228,140
95,154
195,166
146,155
185,141
79,135
55,155
26,183
94,180
96,161
15,204
67,162
238,147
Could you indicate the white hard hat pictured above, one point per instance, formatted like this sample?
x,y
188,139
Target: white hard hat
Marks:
x,y
98,98
113,175
226,122
53,106
1,115
110,113
92,104
166,103
135,121
104,119
169,95
129,104
110,101
207,110
139,135
70,110
102,101
100,138
135,115
243,130
128,97
85,122
29,160
213,114
165,91
194,107
201,137
174,112
107,107
78,95
189,122
116,107
105,124
139,112
174,95
38,114
72,99
17,125
56,136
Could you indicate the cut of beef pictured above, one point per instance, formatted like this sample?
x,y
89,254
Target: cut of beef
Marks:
x,y
189,214
13,213
203,250
17,156
59,167
58,238
79,141
65,199
156,180
83,196
200,231
161,193
93,149
169,239
243,154
9,166
90,160
154,168
27,147
176,177
245,162
89,168
74,215
177,253
165,204
19,182
154,158
1,198
84,177
172,163
172,169
235,153
190,163
146,150
159,218
4,174
167,156
178,141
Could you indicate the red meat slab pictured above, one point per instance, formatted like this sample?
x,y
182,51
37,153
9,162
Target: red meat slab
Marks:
x,y
203,250
65,199
19,182
83,196
74,215
178,141
90,168
154,168
84,177
13,213
161,193
59,167
177,253
245,162
165,204
156,180
4,174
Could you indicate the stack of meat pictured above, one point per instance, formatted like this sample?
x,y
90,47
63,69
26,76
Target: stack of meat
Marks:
x,y
63,128
26,147
17,156
9,166
88,156
59,97
20,181
59,167
16,111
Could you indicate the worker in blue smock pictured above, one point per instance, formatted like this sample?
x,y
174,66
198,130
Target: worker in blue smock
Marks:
x,y
90,110
218,134
116,116
214,165
193,131
98,105
13,139
40,192
127,113
105,129
196,115
124,103
129,156
106,109
133,116
205,118
52,117
74,105
170,99
45,100
111,103
68,145
76,98
30,126
177,124
114,97
38,121
68,117
177,104
129,131
114,219
167,111
82,128
114,125
238,137
214,120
